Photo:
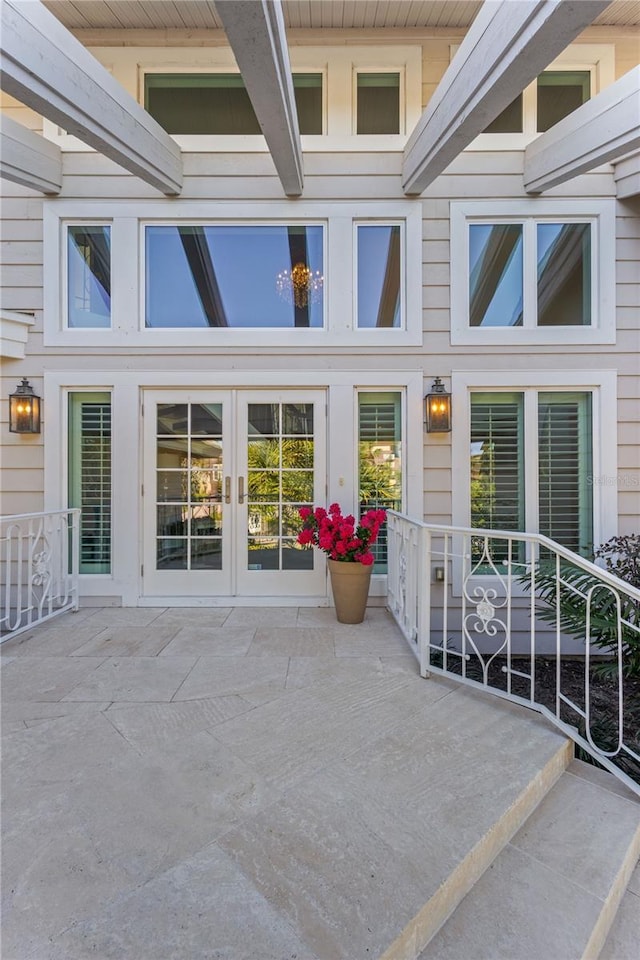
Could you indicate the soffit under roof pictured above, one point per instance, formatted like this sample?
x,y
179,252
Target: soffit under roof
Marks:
x,y
298,14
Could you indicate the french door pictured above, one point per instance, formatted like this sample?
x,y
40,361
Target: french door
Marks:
x,y
225,473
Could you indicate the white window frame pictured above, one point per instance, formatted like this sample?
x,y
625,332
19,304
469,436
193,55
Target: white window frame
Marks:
x,y
597,58
127,275
599,213
601,384
337,65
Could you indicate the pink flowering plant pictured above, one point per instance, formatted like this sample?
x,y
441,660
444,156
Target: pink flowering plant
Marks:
x,y
341,537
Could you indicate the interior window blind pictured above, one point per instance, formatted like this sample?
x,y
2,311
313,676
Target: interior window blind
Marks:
x,y
564,467
90,477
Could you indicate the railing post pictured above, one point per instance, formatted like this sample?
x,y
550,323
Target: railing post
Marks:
x,y
423,595
74,572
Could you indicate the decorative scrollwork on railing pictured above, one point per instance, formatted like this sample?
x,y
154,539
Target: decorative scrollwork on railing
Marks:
x,y
484,619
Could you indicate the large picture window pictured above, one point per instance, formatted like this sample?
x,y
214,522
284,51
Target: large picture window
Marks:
x,y
239,276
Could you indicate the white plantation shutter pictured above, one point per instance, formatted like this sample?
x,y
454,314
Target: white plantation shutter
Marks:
x,y
564,467
497,467
90,477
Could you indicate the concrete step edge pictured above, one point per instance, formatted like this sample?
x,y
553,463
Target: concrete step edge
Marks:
x,y
433,915
612,903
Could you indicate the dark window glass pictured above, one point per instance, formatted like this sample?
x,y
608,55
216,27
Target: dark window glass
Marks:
x,y
560,92
564,274
510,120
218,103
378,103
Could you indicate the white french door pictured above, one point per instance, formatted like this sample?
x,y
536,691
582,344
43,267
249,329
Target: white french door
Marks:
x,y
224,477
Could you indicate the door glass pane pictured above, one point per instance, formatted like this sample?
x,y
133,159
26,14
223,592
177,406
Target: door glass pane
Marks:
x,y
242,276
89,276
189,467
560,92
280,459
379,275
380,460
495,275
564,274
378,108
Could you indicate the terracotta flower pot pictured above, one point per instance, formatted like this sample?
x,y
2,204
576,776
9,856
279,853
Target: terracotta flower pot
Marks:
x,y
350,585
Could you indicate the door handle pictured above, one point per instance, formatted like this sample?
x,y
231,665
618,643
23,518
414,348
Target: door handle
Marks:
x,y
227,489
240,489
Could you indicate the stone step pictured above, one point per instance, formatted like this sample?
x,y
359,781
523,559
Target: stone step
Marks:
x,y
555,888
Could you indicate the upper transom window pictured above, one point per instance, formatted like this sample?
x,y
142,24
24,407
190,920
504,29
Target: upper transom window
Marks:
x,y
218,103
558,93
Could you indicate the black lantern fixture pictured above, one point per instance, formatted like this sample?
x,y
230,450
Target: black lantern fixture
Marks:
x,y
24,409
437,406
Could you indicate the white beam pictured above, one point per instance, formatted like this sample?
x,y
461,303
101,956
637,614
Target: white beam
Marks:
x,y
626,174
46,68
255,29
600,130
29,159
507,46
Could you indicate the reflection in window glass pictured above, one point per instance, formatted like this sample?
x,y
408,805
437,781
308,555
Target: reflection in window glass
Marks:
x,y
495,275
89,276
234,276
378,107
564,274
510,120
380,460
379,271
560,92
218,103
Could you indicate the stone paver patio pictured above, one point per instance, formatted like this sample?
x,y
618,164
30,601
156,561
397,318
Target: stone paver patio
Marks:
x,y
190,784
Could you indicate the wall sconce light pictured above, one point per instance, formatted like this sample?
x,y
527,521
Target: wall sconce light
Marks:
x,y
437,405
24,409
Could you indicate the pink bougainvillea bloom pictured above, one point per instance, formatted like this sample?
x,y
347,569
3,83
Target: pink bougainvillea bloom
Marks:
x,y
367,559
305,512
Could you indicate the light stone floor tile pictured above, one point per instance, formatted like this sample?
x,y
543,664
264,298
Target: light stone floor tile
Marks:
x,y
205,641
186,617
555,833
137,679
125,616
37,711
212,911
292,642
310,671
342,886
262,617
52,641
604,779
164,722
501,916
252,678
45,678
12,726
128,641
624,937
367,641
316,617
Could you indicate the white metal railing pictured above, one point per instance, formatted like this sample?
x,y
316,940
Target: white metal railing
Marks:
x,y
39,556
489,608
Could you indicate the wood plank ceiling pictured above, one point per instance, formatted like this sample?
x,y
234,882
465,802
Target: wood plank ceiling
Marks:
x,y
305,14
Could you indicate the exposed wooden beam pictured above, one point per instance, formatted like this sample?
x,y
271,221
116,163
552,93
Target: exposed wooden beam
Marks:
x,y
626,174
47,69
507,46
29,159
600,130
255,30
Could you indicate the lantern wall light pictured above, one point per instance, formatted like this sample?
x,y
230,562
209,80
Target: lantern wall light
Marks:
x,y
437,406
24,409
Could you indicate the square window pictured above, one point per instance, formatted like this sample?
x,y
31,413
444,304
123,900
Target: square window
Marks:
x,y
559,93
378,103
